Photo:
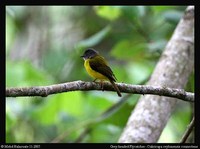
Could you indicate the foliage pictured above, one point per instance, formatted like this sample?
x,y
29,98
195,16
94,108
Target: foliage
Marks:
x,y
43,47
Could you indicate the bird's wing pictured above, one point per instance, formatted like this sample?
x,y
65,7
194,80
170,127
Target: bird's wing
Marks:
x,y
98,64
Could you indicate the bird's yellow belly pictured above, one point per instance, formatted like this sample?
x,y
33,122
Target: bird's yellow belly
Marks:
x,y
93,73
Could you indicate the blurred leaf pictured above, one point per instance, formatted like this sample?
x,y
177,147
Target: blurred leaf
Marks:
x,y
10,121
95,39
161,29
10,32
190,87
120,72
142,10
16,11
139,71
158,45
24,74
160,9
21,136
131,12
54,61
172,16
95,105
49,112
104,134
123,113
128,49
108,12
177,124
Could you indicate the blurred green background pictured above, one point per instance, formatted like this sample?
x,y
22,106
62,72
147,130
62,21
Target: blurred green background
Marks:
x,y
43,47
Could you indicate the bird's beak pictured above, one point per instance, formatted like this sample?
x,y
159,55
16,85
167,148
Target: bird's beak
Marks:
x,y
82,57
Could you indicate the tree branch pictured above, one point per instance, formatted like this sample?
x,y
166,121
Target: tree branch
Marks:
x,y
86,86
188,131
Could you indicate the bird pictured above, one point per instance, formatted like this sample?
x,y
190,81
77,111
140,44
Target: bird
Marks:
x,y
97,67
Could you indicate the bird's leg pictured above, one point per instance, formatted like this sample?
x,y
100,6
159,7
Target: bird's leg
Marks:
x,y
101,83
94,80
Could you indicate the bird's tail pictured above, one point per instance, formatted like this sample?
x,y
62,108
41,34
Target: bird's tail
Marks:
x,y
116,88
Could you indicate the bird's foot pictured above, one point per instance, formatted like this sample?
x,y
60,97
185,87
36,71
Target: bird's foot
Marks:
x,y
94,80
101,83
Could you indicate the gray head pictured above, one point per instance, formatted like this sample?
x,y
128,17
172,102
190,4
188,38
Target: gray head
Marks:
x,y
89,53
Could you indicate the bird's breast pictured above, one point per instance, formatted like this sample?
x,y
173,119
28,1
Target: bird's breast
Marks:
x,y
92,72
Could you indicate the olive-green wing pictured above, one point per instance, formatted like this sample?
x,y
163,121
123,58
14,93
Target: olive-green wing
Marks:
x,y
98,64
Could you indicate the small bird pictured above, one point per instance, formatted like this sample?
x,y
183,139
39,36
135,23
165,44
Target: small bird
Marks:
x,y
98,68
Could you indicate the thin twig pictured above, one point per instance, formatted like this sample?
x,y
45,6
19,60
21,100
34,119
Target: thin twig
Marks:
x,y
187,132
87,86
82,135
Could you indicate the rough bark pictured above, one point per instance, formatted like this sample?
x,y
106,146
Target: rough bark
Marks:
x,y
45,91
151,114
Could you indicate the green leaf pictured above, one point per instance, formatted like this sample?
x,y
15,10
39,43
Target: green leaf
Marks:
x,y
105,133
24,74
159,9
108,12
177,124
158,45
55,60
95,39
95,104
139,71
128,49
123,113
10,121
190,87
69,104
131,12
10,32
172,16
